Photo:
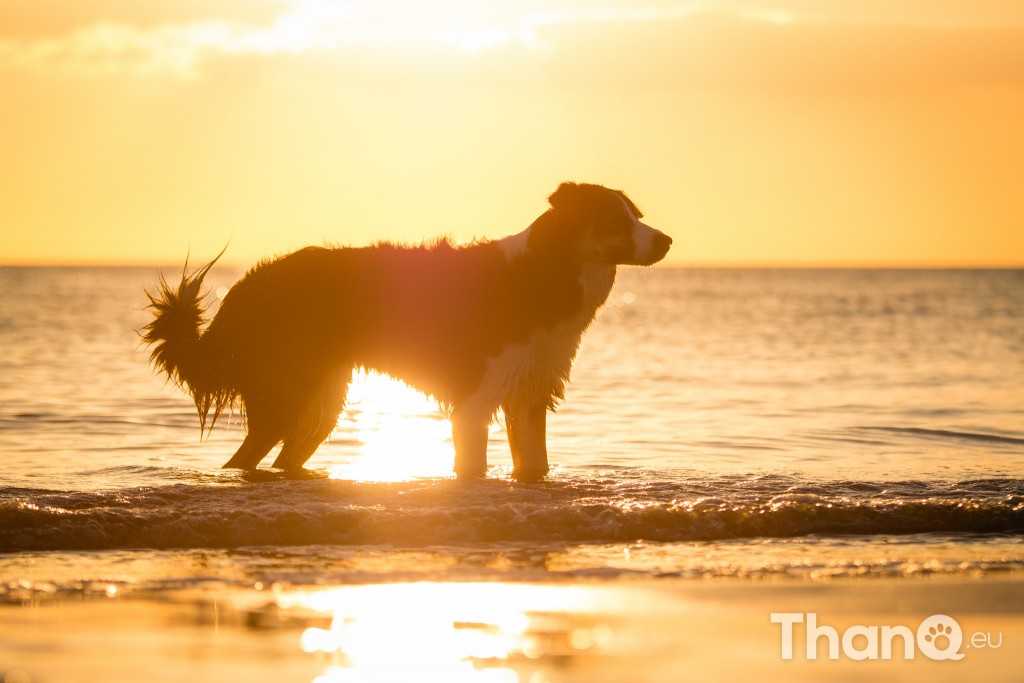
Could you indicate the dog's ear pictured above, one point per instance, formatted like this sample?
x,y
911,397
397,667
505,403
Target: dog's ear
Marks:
x,y
555,232
568,196
551,234
584,198
574,208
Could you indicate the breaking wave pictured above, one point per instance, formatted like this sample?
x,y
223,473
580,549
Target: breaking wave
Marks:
x,y
272,510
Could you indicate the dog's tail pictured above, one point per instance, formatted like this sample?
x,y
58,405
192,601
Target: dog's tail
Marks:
x,y
179,319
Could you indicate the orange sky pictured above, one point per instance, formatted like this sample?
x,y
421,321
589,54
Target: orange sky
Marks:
x,y
790,132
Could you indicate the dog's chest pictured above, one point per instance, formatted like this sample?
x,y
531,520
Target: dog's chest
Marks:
x,y
538,368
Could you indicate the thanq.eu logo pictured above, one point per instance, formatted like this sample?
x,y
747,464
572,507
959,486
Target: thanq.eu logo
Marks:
x,y
938,637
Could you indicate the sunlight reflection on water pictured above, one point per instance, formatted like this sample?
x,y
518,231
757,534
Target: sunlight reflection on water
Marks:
x,y
447,632
401,433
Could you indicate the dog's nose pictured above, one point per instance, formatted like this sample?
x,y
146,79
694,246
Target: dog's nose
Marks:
x,y
661,243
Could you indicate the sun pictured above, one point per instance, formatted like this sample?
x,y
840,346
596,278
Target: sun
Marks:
x,y
400,433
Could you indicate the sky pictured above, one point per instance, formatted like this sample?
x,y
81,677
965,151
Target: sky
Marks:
x,y
768,132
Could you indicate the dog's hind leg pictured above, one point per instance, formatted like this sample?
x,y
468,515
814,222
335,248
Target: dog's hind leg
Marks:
x,y
253,449
314,425
262,435
527,426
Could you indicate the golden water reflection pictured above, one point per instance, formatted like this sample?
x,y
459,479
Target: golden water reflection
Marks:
x,y
486,632
401,433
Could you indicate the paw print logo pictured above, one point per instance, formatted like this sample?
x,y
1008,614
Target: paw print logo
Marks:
x,y
939,631
939,637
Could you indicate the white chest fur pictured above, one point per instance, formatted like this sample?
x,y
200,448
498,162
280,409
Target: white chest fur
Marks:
x,y
534,371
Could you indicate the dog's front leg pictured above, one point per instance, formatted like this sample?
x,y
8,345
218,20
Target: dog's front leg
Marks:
x,y
527,428
469,431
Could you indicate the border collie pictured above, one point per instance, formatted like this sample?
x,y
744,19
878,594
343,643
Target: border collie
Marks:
x,y
489,325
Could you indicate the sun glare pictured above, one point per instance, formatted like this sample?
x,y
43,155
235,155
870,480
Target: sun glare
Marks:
x,y
401,433
322,24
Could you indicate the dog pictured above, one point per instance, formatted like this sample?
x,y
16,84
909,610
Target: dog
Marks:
x,y
487,325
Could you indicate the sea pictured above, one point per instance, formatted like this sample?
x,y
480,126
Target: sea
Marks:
x,y
721,425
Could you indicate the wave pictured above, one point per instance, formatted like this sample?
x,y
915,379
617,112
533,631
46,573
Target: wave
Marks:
x,y
318,511
951,434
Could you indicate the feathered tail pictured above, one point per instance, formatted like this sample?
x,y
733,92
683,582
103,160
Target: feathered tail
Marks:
x,y
179,318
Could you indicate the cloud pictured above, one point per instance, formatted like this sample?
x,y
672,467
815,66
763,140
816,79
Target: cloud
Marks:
x,y
110,45
624,49
177,49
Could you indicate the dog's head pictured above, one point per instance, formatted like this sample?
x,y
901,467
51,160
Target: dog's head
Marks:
x,y
593,224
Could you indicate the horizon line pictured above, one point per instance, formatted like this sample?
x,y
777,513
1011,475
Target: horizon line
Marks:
x,y
693,265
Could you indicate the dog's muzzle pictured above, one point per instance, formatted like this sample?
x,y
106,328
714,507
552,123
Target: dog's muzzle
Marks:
x,y
654,244
660,246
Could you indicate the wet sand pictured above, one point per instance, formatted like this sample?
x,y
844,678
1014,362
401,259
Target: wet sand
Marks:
x,y
650,630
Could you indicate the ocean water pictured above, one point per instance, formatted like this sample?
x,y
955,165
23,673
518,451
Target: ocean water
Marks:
x,y
720,424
